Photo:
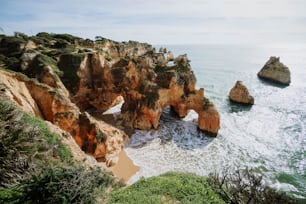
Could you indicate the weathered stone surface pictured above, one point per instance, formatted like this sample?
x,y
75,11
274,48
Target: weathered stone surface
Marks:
x,y
147,86
69,75
275,71
94,137
240,94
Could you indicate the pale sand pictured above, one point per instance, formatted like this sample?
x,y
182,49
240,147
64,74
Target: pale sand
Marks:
x,y
125,167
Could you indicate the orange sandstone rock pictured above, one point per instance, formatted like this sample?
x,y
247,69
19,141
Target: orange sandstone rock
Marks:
x,y
240,94
94,137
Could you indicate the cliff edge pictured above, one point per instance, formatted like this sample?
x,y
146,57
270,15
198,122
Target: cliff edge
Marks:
x,y
60,78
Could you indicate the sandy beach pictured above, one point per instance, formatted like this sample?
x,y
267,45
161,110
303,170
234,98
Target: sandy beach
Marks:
x,y
125,168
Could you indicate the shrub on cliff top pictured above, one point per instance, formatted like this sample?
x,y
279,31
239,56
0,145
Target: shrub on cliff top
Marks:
x,y
39,65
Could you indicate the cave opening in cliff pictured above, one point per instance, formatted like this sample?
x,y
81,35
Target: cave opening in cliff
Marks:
x,y
109,116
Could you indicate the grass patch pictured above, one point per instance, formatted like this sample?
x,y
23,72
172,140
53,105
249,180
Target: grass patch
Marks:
x,y
172,187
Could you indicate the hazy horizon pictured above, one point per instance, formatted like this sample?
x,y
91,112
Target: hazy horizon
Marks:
x,y
161,22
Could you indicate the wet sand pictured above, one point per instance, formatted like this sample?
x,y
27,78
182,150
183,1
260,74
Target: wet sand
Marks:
x,y
125,168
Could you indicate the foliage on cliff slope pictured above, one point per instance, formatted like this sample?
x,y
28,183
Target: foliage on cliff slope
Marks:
x,y
26,144
36,167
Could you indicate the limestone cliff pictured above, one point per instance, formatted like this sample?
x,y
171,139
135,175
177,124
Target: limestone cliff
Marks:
x,y
147,86
94,137
67,75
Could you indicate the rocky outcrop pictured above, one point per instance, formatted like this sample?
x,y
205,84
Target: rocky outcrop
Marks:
x,y
147,85
97,138
275,71
240,94
67,76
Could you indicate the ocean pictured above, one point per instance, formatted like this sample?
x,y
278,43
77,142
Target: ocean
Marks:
x,y
269,137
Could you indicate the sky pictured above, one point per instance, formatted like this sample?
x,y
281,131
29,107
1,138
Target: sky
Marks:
x,y
161,21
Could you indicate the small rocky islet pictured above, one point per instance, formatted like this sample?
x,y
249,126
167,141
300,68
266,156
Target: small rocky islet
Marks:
x,y
240,94
273,71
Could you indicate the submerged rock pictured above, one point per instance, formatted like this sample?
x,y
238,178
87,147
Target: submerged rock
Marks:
x,y
275,71
240,94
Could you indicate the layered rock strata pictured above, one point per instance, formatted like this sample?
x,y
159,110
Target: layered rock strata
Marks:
x,y
240,94
275,71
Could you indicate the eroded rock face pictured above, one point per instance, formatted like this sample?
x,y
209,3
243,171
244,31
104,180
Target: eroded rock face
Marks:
x,y
69,75
94,137
240,94
275,71
147,85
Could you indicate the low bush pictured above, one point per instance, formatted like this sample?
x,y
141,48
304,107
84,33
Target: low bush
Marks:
x,y
65,185
60,185
244,186
26,143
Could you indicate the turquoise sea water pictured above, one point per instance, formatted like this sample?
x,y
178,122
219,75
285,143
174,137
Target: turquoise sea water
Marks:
x,y
269,137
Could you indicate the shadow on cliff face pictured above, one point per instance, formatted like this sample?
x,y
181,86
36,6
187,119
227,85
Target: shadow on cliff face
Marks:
x,y
183,132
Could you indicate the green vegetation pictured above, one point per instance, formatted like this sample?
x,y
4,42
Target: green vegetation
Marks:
x,y
26,144
238,187
172,187
245,186
69,64
9,62
40,64
58,41
11,45
35,167
60,185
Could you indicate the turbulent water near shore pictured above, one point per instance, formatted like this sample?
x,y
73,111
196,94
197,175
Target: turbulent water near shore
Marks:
x,y
269,137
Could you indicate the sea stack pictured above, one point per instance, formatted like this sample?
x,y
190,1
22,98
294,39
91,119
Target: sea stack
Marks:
x,y
240,94
275,71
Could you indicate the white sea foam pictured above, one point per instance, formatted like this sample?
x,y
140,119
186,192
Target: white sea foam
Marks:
x,y
270,136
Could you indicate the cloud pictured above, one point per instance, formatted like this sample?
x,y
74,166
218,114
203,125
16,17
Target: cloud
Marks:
x,y
160,21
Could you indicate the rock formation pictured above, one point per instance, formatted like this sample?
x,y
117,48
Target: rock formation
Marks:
x,y
240,94
147,88
58,77
275,71
102,141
